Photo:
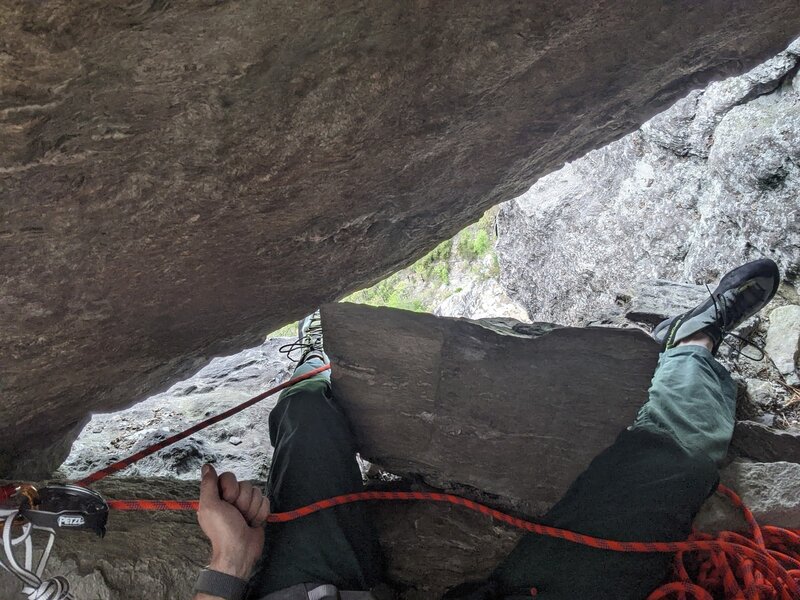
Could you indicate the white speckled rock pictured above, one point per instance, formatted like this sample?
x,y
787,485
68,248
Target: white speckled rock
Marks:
x,y
783,341
770,490
710,183
485,299
761,392
239,444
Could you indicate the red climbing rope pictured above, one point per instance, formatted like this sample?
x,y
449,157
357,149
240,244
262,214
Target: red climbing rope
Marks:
x,y
764,566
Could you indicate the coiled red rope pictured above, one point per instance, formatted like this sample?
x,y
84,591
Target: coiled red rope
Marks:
x,y
763,566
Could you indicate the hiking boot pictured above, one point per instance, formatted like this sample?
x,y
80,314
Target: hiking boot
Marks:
x,y
309,340
741,293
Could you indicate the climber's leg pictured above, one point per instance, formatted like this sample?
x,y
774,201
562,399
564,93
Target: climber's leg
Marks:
x,y
693,399
314,459
647,486
310,365
651,482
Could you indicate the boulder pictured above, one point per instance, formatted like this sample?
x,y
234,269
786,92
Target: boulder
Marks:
x,y
770,490
760,442
458,402
761,392
783,341
180,178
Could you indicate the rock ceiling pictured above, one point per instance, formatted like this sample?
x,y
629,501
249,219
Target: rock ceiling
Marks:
x,y
178,178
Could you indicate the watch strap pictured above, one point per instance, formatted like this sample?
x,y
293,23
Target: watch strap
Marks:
x,y
219,584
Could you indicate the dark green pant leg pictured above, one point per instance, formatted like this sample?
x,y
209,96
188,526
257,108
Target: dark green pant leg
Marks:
x,y
647,486
693,399
314,459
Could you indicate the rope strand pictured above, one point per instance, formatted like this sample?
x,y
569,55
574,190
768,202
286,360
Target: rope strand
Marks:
x,y
766,567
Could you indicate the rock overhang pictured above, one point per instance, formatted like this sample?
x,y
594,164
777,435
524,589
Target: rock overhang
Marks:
x,y
179,178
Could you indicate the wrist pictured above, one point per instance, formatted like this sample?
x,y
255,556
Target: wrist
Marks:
x,y
230,564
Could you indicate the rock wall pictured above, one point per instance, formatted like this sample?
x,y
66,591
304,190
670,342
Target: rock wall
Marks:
x,y
179,178
623,234
704,186
239,444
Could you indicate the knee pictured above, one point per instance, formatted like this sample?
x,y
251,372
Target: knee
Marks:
x,y
307,408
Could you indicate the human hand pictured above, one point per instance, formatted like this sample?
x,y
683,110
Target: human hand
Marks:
x,y
232,515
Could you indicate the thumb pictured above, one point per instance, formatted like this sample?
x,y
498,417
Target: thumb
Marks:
x,y
209,485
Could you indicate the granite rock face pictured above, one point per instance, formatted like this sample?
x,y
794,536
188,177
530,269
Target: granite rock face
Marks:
x,y
484,300
770,490
702,187
239,444
179,178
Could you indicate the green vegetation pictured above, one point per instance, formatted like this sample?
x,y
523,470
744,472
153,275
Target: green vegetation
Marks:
x,y
435,263
472,245
393,292
289,330
433,278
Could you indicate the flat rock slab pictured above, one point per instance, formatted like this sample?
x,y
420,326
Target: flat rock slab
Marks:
x,y
516,415
653,301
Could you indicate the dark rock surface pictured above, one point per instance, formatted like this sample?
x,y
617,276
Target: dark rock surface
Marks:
x,y
179,178
765,444
423,393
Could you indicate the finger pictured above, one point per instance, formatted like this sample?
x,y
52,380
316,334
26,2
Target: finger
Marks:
x,y
263,513
255,504
229,487
209,490
245,495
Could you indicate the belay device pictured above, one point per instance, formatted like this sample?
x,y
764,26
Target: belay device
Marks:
x,y
23,510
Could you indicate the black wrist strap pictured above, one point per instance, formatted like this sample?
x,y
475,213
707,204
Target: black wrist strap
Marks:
x,y
219,584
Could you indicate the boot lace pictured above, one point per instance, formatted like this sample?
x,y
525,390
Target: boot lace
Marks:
x,y
311,341
721,309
